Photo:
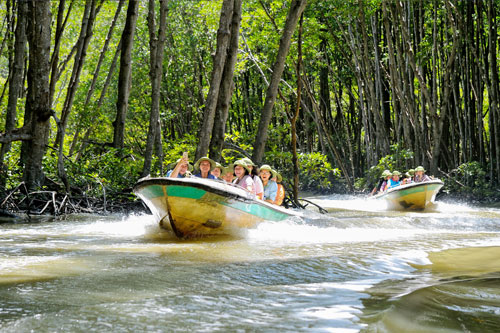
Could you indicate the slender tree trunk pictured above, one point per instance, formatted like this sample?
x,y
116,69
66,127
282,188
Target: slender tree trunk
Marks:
x,y
226,87
156,43
54,61
124,79
296,9
38,98
83,42
97,70
101,100
440,120
494,91
295,159
16,84
223,36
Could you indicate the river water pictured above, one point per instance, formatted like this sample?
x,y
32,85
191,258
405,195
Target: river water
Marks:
x,y
358,269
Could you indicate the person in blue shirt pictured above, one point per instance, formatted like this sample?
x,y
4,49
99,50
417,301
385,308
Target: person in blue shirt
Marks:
x,y
203,167
394,181
182,168
270,186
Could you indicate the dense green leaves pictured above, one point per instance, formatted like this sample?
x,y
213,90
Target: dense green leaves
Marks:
x,y
386,85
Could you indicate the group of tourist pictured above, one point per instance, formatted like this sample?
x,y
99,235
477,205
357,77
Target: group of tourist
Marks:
x,y
393,179
264,182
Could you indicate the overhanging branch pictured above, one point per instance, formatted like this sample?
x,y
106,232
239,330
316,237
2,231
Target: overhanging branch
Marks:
x,y
19,134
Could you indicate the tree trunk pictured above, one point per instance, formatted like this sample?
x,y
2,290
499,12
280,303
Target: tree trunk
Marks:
x,y
495,93
226,87
156,44
296,9
124,81
295,159
38,98
54,61
223,36
101,99
97,70
17,78
83,42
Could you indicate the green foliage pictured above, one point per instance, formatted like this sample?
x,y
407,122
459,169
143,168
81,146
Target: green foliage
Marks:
x,y
399,160
13,170
103,170
471,179
316,173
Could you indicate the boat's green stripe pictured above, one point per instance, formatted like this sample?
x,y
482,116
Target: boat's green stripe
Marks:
x,y
263,212
152,191
254,209
185,192
189,192
418,189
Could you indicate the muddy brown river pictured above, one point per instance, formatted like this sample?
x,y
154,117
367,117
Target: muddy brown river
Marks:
x,y
357,269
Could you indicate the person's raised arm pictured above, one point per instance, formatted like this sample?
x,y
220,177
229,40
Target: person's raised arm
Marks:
x,y
182,161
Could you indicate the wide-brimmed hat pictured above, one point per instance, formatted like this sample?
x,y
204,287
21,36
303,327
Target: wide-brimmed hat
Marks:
x,y
249,161
411,172
396,173
212,163
386,174
278,176
419,168
268,168
243,164
229,168
218,165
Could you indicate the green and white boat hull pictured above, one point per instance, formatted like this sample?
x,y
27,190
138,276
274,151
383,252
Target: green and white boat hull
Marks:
x,y
414,196
194,207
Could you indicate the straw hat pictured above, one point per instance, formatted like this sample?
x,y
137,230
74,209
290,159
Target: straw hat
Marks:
x,y
212,163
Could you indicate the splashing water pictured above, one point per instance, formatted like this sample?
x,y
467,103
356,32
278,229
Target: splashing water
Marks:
x,y
359,268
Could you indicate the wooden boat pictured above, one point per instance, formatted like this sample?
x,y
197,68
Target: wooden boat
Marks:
x,y
194,207
414,196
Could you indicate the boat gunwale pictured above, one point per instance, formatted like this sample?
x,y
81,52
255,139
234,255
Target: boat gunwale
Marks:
x,y
408,186
207,185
